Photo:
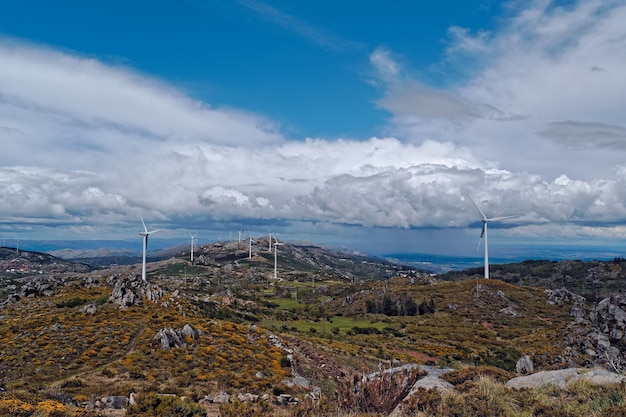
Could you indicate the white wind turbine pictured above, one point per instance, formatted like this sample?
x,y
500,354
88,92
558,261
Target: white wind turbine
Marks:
x,y
250,247
486,221
193,241
145,235
276,244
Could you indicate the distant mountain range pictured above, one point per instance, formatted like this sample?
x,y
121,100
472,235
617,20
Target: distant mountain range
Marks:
x,y
125,252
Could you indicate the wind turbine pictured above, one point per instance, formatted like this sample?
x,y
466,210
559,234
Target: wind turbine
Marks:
x,y
145,235
269,246
486,221
276,244
250,247
193,240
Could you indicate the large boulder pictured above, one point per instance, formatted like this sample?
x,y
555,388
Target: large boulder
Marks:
x,y
40,286
175,338
131,290
169,338
563,377
115,401
524,365
89,309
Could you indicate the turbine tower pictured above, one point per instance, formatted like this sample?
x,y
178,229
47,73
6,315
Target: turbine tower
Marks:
x,y
250,247
486,221
276,244
145,235
193,240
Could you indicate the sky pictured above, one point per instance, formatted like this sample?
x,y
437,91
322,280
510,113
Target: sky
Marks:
x,y
359,123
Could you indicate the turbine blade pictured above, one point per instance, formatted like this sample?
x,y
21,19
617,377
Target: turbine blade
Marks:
x,y
479,210
502,218
479,242
142,222
482,233
154,231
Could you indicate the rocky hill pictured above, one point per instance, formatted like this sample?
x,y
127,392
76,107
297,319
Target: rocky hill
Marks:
x,y
312,340
594,280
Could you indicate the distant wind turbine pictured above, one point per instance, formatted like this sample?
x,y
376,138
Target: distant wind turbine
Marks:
x,y
193,240
486,221
250,247
145,235
276,244
269,246
17,246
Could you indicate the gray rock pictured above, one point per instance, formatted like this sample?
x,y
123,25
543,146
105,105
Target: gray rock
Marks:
x,y
564,296
431,381
189,331
557,378
247,397
133,290
115,401
509,310
40,286
170,338
562,377
89,309
524,365
221,398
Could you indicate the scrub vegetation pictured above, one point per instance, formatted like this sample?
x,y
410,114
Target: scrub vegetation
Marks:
x,y
64,349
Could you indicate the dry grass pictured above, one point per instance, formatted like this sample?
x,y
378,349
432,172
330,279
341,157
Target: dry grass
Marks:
x,y
48,343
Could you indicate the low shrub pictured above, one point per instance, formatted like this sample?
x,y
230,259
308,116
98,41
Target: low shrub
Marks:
x,y
151,405
246,409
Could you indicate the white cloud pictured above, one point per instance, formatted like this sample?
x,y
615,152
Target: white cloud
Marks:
x,y
384,64
537,90
534,132
60,102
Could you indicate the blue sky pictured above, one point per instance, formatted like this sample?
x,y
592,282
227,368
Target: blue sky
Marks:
x,y
303,64
339,122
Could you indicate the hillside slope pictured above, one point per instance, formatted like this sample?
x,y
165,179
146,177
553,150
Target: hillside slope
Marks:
x,y
223,324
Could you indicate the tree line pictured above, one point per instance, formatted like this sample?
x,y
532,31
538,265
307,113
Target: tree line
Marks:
x,y
402,306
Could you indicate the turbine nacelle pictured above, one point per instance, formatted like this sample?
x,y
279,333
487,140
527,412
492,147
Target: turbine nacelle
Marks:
x,y
483,234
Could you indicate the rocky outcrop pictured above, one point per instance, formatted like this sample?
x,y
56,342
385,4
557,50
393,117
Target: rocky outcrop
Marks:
x,y
562,296
116,402
89,309
601,335
524,365
432,380
131,290
176,338
563,377
39,286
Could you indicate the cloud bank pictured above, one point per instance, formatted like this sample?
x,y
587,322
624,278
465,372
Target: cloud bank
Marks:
x,y
534,128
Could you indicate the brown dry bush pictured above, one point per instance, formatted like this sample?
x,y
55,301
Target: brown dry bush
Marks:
x,y
472,373
377,393
423,401
246,409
